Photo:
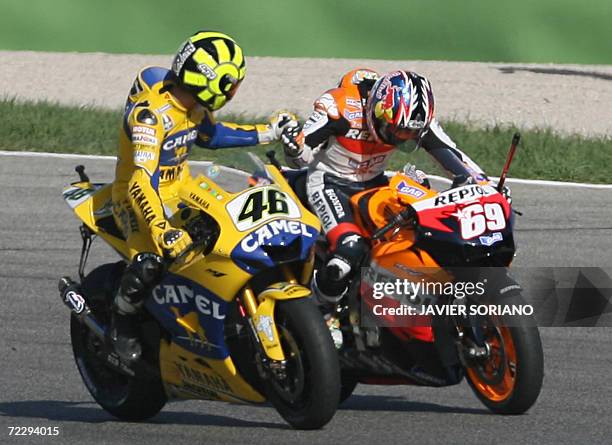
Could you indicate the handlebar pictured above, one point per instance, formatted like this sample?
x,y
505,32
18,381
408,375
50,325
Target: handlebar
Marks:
x,y
401,218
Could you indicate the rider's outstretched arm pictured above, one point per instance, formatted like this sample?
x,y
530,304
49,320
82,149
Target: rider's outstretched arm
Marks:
x,y
444,150
213,134
324,122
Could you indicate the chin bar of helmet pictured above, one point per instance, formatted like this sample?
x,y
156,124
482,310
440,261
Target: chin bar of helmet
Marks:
x,y
502,178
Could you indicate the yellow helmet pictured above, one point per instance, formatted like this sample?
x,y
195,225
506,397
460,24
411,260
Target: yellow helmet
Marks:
x,y
210,65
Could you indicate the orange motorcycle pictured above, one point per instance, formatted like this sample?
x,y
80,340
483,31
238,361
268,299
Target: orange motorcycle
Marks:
x,y
407,321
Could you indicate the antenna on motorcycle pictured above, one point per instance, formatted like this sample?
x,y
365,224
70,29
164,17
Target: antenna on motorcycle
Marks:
x,y
502,179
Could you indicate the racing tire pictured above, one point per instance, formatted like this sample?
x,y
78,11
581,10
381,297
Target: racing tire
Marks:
x,y
510,380
129,398
309,395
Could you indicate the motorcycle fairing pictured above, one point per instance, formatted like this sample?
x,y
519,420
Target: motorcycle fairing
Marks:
x,y
187,376
191,313
195,361
254,252
93,205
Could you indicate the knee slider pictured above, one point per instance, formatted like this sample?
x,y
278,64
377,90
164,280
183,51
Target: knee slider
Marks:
x,y
352,248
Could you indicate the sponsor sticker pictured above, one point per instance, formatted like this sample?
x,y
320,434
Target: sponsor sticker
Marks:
x,y
76,301
207,71
180,139
353,102
264,325
144,139
463,194
406,189
168,122
261,236
351,115
140,129
187,50
490,240
181,294
141,156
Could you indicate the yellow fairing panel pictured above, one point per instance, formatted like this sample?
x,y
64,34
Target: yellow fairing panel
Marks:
x,y
188,376
93,205
263,319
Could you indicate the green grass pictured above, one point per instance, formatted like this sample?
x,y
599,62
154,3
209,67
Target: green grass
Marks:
x,y
560,31
542,155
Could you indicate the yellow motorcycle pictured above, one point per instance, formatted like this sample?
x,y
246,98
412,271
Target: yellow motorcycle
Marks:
x,y
235,323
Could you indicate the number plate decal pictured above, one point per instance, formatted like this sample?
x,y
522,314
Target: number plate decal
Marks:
x,y
258,205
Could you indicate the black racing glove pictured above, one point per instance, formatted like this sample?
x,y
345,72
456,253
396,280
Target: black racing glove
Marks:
x,y
290,137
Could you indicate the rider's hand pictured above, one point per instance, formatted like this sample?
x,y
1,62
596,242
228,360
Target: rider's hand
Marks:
x,y
416,175
290,138
175,242
461,180
282,120
507,193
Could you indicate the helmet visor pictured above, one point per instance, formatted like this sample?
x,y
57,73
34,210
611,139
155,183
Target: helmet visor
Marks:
x,y
393,134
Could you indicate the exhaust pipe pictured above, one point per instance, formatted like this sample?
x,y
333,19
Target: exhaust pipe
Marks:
x,y
71,297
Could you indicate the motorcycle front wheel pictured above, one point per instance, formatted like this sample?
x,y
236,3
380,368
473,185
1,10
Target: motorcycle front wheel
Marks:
x,y
308,395
509,379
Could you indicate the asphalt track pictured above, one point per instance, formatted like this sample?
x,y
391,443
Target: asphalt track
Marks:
x,y
40,386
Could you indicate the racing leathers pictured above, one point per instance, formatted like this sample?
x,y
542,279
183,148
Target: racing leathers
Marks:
x,y
157,134
343,159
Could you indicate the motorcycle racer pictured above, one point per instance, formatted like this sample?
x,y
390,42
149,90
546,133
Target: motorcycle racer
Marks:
x,y
346,143
168,111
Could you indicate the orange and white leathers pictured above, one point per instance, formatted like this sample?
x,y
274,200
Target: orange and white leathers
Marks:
x,y
343,159
337,148
335,138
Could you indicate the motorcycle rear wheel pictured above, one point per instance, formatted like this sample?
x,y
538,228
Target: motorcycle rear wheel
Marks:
x,y
308,397
128,398
509,381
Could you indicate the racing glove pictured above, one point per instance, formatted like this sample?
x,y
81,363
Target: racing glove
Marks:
x,y
290,139
507,193
416,175
274,129
293,146
461,180
282,120
173,242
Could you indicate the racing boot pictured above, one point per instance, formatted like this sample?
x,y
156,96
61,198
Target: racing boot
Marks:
x,y
138,279
124,336
330,283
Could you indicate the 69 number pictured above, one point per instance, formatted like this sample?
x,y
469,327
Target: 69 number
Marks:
x,y
477,219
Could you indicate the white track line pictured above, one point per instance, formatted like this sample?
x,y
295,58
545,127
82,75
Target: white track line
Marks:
x,y
439,178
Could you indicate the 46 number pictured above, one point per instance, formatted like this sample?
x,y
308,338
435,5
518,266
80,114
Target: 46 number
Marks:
x,y
262,203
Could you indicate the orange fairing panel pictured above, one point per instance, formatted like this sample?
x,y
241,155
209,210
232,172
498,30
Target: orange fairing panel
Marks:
x,y
387,254
385,202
